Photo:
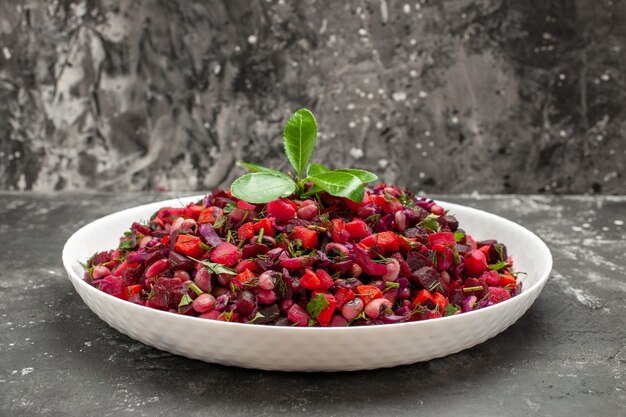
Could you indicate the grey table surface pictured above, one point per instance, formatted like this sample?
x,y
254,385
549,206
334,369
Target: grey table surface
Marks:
x,y
564,357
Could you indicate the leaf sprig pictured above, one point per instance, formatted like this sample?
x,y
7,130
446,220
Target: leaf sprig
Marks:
x,y
263,184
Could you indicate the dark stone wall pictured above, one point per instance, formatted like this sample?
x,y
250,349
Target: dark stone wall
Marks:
x,y
456,96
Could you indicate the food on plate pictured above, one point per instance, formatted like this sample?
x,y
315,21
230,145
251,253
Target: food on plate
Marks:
x,y
314,248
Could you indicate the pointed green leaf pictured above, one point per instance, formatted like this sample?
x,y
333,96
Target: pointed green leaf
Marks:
x,y
300,135
262,187
361,174
340,184
258,168
316,169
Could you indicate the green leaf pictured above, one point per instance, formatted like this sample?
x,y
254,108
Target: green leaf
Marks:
x,y
340,184
300,135
499,247
361,174
498,266
258,168
430,223
215,268
185,301
126,244
458,235
316,169
316,305
229,207
255,318
451,309
261,187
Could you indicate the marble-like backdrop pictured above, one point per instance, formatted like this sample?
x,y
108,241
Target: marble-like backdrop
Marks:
x,y
441,96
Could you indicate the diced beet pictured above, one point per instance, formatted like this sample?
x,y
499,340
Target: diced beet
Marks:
x,y
250,251
416,260
246,303
427,277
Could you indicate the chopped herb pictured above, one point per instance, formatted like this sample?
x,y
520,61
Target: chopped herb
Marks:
x,y
204,246
451,309
185,301
261,233
87,269
390,285
360,316
281,286
219,222
476,288
324,218
457,257
417,309
193,287
316,305
215,268
499,248
430,223
234,288
436,286
229,207
459,235
125,245
255,318
433,258
373,219
498,266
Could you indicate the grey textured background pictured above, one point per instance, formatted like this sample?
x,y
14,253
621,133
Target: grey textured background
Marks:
x,y
442,96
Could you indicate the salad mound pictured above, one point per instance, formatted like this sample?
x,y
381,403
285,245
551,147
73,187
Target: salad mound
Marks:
x,y
324,261
314,248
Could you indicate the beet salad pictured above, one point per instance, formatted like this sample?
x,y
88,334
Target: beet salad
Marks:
x,y
314,248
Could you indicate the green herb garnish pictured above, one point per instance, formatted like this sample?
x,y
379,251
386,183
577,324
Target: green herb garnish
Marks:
x,y
255,318
430,223
215,268
300,136
185,301
498,266
451,309
316,305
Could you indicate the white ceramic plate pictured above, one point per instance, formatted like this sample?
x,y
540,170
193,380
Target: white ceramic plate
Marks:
x,y
314,348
